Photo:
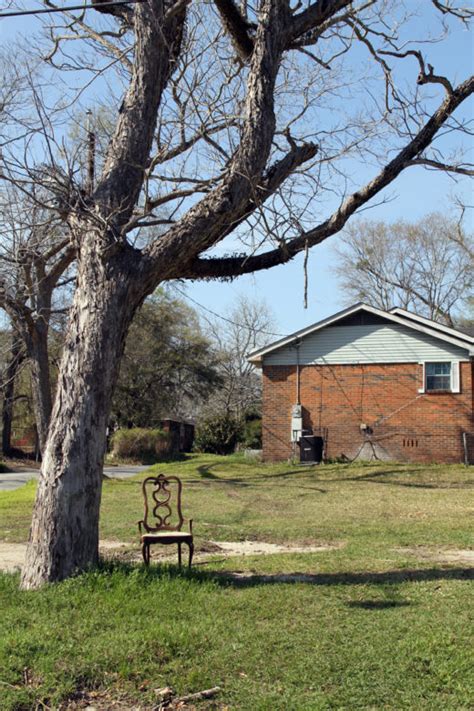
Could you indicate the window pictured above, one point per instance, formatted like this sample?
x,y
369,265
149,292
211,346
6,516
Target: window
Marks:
x,y
437,376
441,376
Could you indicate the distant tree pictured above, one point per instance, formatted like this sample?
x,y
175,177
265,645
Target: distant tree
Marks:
x,y
12,358
35,254
168,366
426,267
246,326
465,322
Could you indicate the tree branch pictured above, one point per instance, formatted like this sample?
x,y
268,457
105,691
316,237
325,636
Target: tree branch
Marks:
x,y
443,166
236,26
210,220
314,16
157,47
236,266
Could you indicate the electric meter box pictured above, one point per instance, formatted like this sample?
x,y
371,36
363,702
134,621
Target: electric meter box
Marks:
x,y
296,422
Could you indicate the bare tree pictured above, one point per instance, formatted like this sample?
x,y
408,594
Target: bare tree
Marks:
x,y
9,375
426,267
35,254
246,326
236,139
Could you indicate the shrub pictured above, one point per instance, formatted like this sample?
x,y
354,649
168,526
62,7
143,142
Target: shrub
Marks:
x,y
141,444
217,434
252,434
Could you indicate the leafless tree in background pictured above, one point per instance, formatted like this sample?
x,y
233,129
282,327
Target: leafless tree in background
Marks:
x,y
426,267
239,123
13,362
35,254
245,327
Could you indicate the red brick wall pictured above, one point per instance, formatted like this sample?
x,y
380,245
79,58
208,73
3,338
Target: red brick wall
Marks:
x,y
405,424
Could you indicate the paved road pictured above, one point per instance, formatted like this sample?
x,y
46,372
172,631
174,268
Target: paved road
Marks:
x,y
13,480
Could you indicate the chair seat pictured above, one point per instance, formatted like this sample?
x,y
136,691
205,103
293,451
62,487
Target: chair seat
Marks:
x,y
167,537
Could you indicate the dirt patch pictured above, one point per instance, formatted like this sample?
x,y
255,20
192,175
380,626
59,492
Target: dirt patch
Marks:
x,y
101,701
440,555
208,550
12,555
244,548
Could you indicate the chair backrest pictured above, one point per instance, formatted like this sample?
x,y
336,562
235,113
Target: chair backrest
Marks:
x,y
162,496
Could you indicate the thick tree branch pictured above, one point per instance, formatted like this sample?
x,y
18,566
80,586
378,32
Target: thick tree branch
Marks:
x,y
236,266
122,12
58,269
313,17
210,220
157,47
56,248
236,26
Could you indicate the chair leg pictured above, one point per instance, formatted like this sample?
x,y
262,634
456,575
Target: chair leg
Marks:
x,y
179,555
191,552
146,553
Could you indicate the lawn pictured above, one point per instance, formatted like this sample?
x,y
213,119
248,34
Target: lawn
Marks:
x,y
382,619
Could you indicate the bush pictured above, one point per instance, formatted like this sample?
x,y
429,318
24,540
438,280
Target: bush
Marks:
x,y
141,444
218,434
252,434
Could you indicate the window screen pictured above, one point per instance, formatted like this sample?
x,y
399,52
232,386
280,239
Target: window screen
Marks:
x,y
438,376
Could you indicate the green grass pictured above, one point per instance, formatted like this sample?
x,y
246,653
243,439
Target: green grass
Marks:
x,y
364,626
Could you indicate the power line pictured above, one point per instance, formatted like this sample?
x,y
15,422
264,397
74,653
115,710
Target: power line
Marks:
x,y
47,10
224,318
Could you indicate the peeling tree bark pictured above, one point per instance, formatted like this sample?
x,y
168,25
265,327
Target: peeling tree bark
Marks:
x,y
64,532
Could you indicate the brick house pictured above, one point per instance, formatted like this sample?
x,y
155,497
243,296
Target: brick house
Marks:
x,y
369,384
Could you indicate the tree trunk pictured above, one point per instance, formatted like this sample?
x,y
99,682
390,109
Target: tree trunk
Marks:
x,y
11,372
40,382
65,528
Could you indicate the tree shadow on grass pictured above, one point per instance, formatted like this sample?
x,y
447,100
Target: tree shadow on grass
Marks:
x,y
377,604
374,477
205,472
383,477
240,579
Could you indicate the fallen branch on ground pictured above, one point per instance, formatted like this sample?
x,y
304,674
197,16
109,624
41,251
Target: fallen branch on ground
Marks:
x,y
168,702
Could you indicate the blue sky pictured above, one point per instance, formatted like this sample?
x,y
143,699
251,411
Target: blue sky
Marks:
x,y
414,194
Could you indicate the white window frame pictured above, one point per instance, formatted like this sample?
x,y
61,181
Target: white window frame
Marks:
x,y
455,381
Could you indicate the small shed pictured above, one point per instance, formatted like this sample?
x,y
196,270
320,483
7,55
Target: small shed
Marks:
x,y
181,432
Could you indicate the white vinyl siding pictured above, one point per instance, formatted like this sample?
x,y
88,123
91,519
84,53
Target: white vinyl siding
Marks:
x,y
391,343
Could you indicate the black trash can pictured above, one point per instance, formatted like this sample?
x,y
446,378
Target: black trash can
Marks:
x,y
311,448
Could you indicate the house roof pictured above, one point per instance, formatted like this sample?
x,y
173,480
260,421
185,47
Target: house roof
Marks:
x,y
432,324
397,316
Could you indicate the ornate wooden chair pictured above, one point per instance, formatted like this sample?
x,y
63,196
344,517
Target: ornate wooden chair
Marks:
x,y
162,496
